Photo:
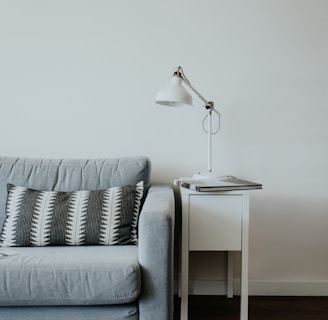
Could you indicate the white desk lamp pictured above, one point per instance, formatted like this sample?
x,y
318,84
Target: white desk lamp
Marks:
x,y
176,95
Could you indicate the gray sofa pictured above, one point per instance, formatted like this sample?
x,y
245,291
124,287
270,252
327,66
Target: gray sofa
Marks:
x,y
131,279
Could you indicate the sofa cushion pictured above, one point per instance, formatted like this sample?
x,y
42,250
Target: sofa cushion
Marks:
x,y
40,218
84,275
127,311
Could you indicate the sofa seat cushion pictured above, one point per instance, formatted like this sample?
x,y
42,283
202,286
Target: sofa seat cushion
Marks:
x,y
86,275
127,311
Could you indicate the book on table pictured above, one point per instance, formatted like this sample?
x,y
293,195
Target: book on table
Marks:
x,y
225,183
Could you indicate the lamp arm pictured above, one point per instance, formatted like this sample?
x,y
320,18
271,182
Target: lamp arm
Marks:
x,y
187,82
179,73
209,105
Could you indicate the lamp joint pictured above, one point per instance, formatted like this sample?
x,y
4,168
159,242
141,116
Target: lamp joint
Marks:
x,y
178,73
209,105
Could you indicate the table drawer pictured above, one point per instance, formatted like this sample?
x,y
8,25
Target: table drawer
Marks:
x,y
215,222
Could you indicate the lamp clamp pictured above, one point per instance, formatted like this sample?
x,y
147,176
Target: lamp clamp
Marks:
x,y
209,105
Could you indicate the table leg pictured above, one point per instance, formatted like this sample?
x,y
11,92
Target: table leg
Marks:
x,y
185,259
244,261
230,274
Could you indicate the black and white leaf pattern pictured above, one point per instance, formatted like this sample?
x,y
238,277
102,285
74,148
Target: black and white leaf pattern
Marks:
x,y
40,218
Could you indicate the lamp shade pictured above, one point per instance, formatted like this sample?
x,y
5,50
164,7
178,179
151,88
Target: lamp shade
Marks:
x,y
174,94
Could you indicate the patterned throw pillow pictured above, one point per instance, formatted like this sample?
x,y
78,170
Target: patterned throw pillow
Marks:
x,y
42,218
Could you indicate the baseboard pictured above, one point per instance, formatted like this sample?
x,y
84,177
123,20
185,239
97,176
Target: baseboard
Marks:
x,y
261,288
288,288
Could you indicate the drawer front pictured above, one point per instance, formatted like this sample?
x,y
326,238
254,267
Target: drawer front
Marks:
x,y
215,222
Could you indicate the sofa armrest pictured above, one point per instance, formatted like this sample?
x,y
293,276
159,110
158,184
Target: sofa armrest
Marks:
x,y
156,240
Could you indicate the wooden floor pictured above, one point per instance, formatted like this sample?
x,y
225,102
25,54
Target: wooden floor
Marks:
x,y
260,308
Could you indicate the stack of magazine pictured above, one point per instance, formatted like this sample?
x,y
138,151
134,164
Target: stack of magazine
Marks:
x,y
225,183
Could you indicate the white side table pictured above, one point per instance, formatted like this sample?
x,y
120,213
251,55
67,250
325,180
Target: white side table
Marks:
x,y
215,221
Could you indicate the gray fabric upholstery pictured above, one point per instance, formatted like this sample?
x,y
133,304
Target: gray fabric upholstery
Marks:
x,y
156,228
120,312
70,174
154,252
70,276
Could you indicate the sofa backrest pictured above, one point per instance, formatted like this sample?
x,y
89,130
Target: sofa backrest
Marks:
x,y
70,174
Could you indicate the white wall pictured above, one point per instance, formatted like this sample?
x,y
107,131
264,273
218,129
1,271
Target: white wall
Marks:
x,y
78,79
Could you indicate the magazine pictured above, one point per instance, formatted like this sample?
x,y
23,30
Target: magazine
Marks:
x,y
226,183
